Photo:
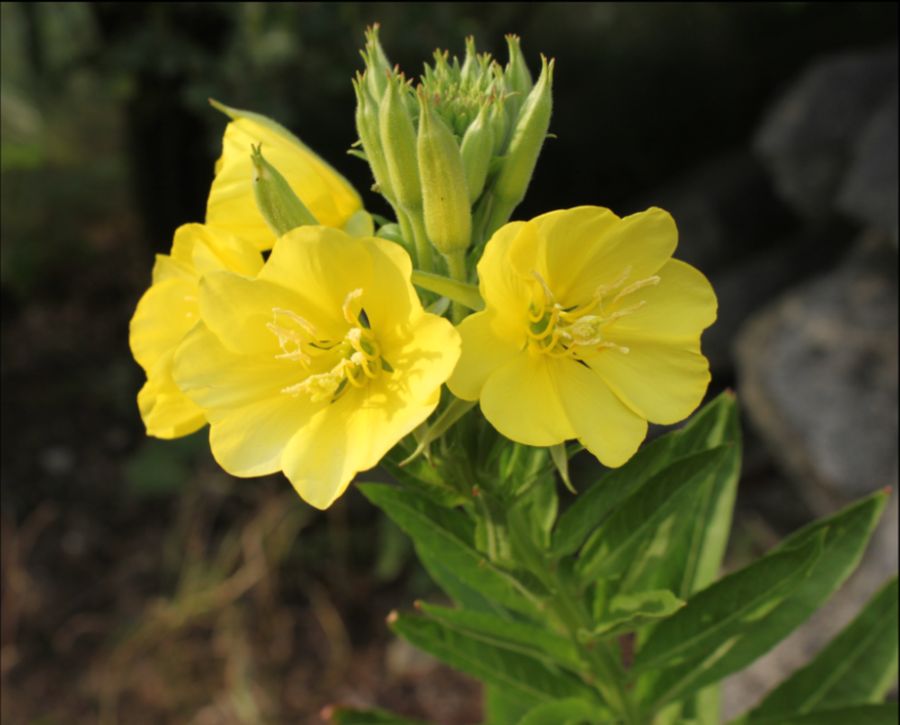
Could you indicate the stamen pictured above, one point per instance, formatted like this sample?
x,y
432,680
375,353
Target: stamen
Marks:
x,y
351,317
635,286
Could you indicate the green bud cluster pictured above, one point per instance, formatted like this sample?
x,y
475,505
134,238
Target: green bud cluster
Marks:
x,y
454,153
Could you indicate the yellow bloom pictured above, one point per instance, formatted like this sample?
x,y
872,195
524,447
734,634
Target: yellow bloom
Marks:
x,y
165,313
590,330
231,205
319,365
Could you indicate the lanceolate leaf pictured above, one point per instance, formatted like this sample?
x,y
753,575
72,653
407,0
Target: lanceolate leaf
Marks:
x,y
715,618
610,549
531,678
531,639
845,537
712,426
570,711
858,666
886,714
448,533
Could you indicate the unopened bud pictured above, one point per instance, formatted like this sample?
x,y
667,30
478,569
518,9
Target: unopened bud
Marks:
x,y
367,128
377,63
516,75
527,140
277,202
477,148
445,199
398,139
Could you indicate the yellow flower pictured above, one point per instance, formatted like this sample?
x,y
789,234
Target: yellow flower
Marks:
x,y
319,365
590,330
231,205
168,309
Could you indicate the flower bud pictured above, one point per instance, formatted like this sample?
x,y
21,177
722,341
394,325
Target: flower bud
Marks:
x,y
367,128
398,138
525,144
516,75
277,202
445,198
377,63
477,148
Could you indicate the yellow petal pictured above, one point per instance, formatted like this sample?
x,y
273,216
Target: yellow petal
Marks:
x,y
422,360
602,423
348,437
218,379
578,250
207,249
487,344
166,411
251,420
521,401
163,315
502,287
239,311
680,307
323,265
661,382
232,206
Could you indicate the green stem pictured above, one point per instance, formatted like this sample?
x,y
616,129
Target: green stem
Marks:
x,y
420,239
600,658
456,265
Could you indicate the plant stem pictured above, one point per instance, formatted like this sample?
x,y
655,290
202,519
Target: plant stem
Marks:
x,y
420,239
456,265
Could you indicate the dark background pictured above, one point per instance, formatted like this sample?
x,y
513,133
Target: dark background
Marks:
x,y
139,582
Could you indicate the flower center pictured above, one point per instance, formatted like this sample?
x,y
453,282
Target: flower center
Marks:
x,y
573,331
330,365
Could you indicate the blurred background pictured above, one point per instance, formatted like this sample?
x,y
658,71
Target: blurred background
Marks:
x,y
140,584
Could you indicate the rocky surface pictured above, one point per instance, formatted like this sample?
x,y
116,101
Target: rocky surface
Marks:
x,y
818,376
808,137
869,192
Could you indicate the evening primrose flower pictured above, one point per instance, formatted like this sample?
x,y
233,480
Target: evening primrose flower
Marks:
x,y
590,330
317,366
168,309
232,205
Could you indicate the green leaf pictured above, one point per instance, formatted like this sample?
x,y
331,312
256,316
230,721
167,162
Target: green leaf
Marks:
x,y
886,714
517,636
455,588
712,426
628,612
714,618
612,549
531,678
502,707
845,536
347,716
448,533
858,666
570,711
421,477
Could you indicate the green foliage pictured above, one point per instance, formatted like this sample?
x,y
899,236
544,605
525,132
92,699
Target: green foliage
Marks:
x,y
542,602
859,665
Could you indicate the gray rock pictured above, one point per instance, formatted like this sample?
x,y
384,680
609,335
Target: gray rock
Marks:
x,y
870,191
817,375
808,137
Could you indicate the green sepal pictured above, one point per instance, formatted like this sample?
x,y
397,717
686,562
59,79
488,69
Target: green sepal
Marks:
x,y
461,292
277,203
